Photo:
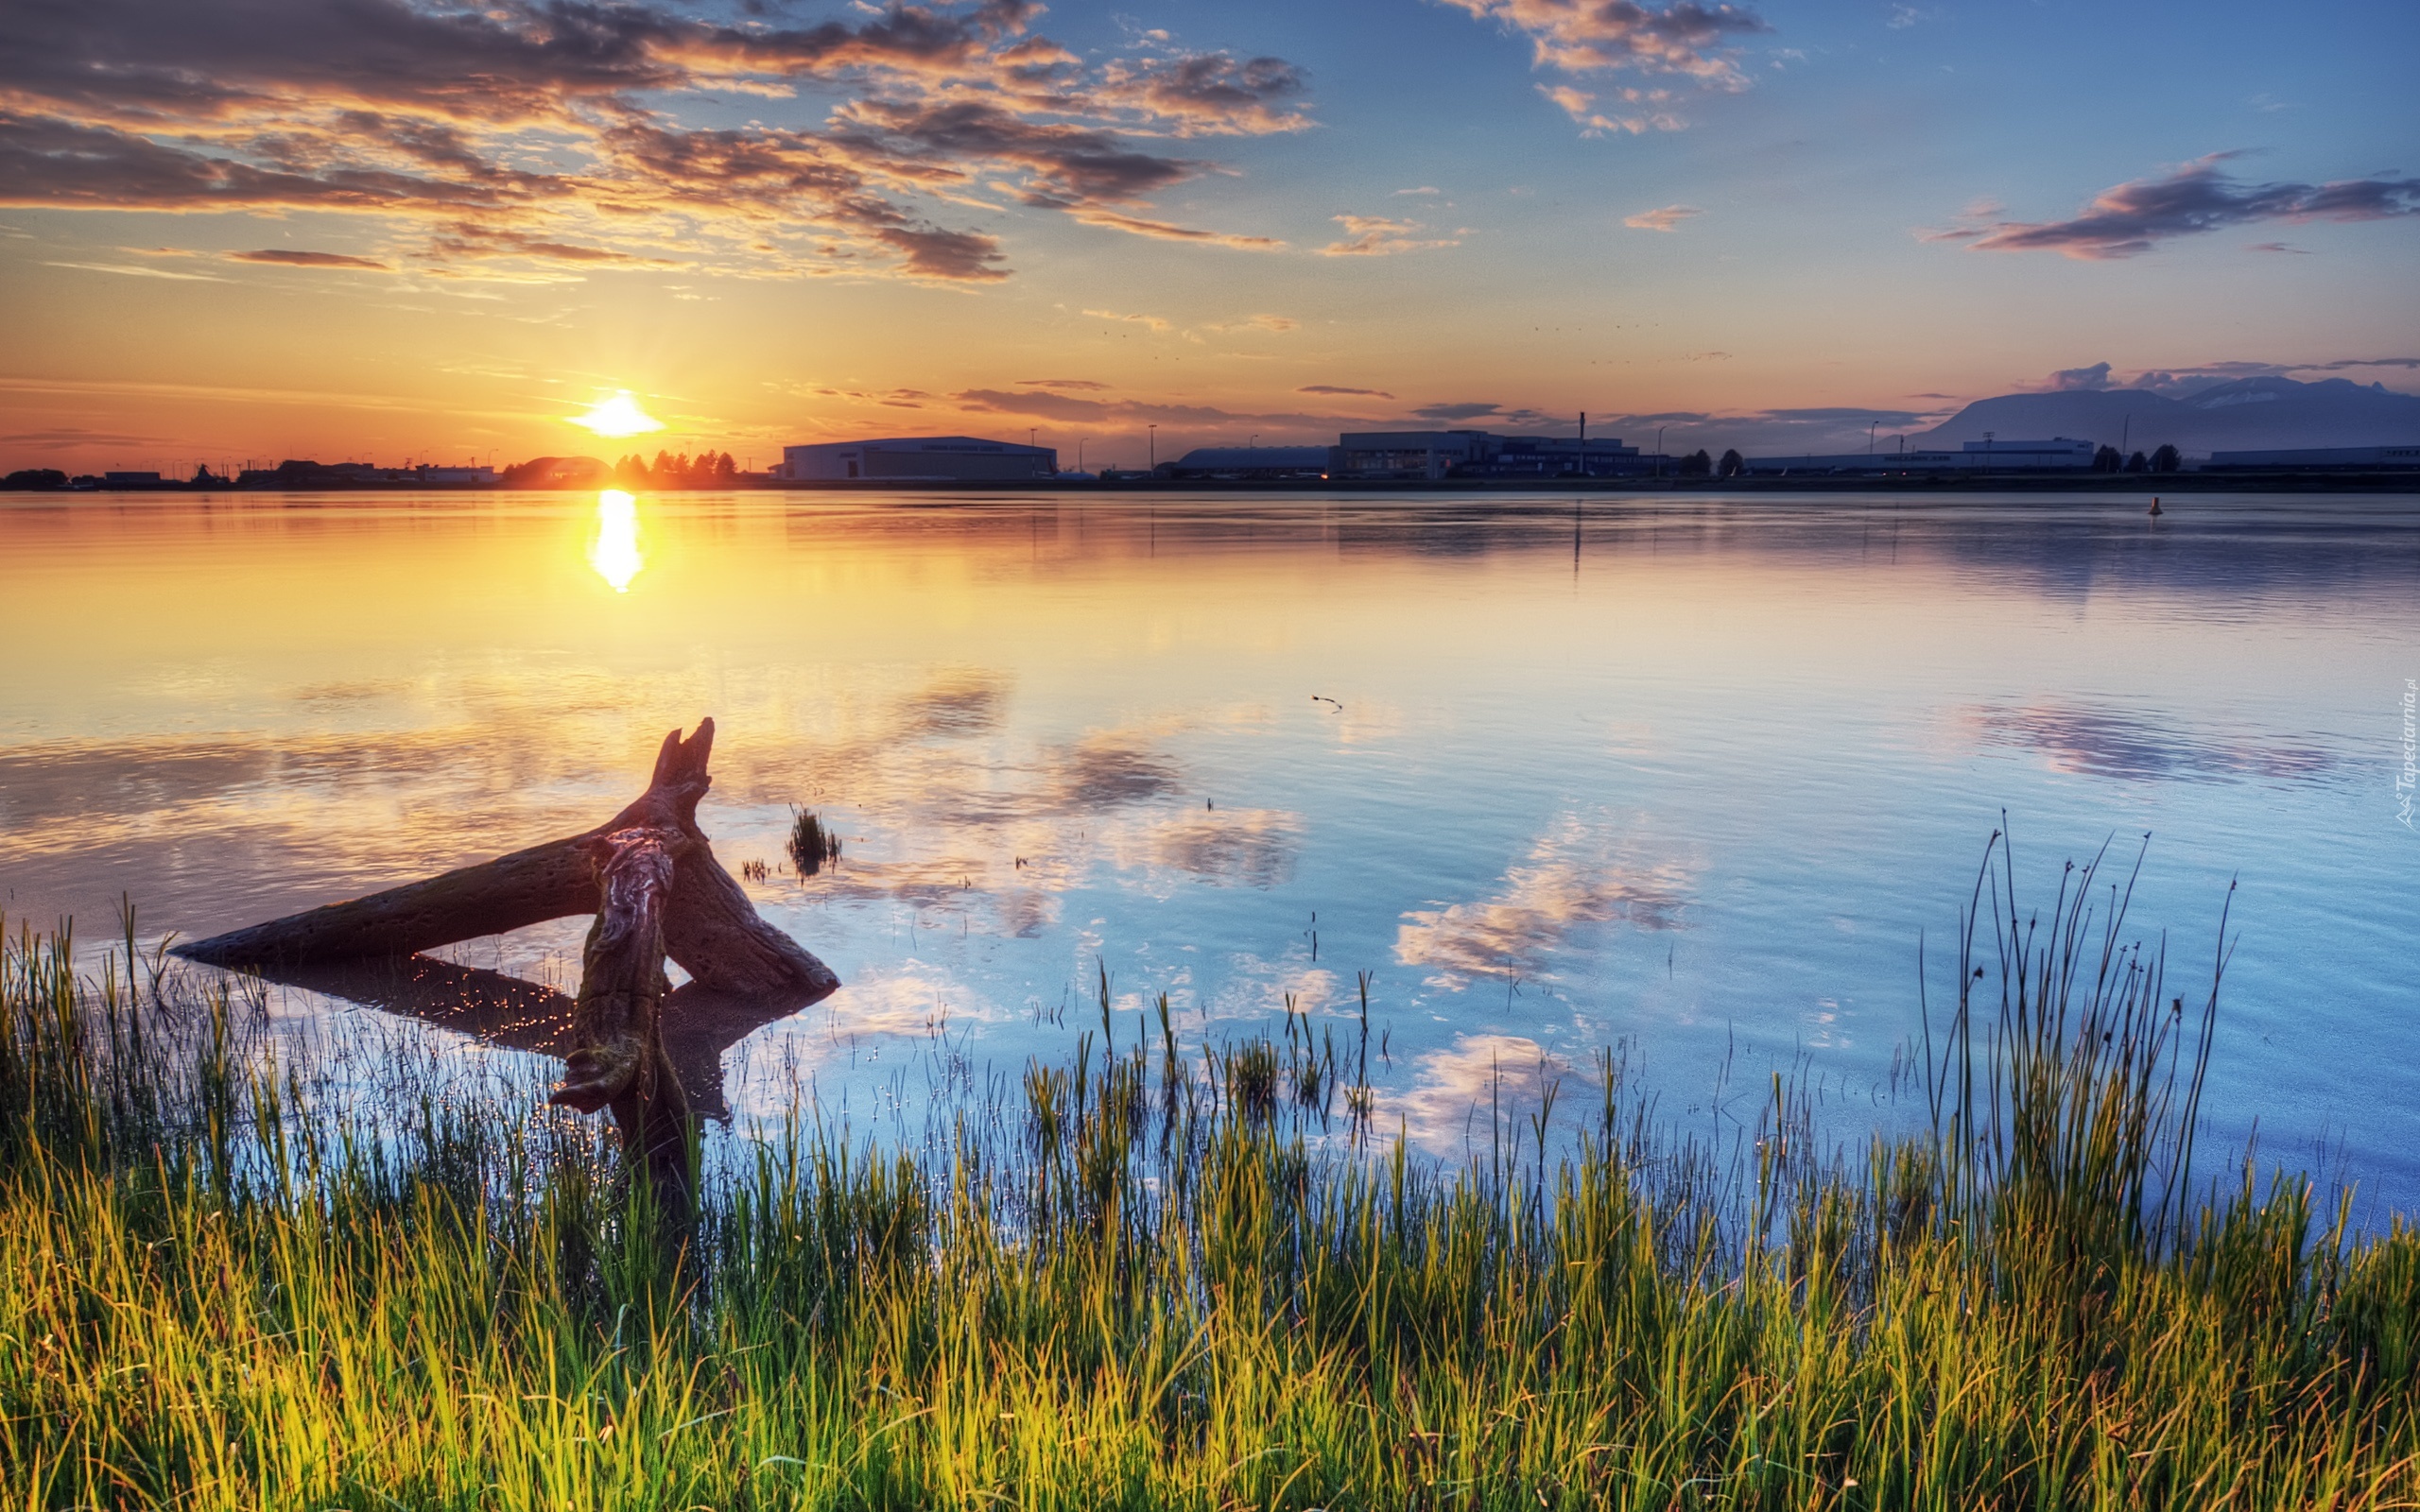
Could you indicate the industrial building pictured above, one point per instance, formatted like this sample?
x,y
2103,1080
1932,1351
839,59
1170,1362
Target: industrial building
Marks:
x,y
1483,454
2058,455
2332,458
1253,463
918,459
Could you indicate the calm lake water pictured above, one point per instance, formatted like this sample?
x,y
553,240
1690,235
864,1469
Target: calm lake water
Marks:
x,y
1686,775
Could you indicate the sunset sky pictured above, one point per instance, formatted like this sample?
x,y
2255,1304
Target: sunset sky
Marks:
x,y
248,230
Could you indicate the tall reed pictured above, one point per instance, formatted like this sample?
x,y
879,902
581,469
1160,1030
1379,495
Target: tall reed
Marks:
x,y
1161,1276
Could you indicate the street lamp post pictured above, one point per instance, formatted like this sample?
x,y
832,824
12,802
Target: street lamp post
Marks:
x,y
1154,441
1659,451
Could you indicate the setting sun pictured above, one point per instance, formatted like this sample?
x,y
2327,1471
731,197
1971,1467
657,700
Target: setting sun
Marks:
x,y
617,417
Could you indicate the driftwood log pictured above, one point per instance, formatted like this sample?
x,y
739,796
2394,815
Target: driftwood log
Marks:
x,y
709,925
618,1056
513,1013
650,878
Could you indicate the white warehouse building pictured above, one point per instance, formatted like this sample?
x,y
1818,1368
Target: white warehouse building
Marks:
x,y
918,459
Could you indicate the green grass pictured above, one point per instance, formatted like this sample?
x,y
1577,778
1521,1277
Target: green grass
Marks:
x,y
219,1288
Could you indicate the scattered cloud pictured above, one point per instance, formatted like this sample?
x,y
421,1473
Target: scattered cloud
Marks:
x,y
2199,196
1333,388
1069,408
135,272
1164,230
68,439
283,258
556,133
2358,362
1209,93
2079,380
1423,190
1589,36
1275,324
1665,220
2277,246
1064,385
2176,381
1151,322
1902,17
1581,107
1378,236
1777,432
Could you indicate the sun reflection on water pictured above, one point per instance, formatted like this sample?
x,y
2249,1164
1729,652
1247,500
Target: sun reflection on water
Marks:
x,y
614,553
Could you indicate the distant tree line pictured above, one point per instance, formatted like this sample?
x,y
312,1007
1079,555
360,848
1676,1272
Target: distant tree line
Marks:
x,y
34,478
707,470
2165,459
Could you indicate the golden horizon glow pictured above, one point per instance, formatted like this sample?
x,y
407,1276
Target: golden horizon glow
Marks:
x,y
614,553
617,417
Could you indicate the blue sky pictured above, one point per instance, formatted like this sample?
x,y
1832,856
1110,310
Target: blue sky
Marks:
x,y
1875,208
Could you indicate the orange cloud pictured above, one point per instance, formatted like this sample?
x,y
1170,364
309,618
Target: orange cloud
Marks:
x,y
544,133
1586,36
1379,237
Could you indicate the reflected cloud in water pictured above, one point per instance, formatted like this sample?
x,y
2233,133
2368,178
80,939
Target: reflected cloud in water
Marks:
x,y
2104,742
1574,876
887,1020
1454,1092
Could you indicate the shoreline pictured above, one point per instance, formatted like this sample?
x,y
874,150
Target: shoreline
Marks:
x,y
2147,485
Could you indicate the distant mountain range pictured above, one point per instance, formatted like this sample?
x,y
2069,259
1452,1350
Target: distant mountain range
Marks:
x,y
2243,415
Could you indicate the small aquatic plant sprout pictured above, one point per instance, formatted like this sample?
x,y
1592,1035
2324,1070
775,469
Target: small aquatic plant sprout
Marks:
x,y
811,846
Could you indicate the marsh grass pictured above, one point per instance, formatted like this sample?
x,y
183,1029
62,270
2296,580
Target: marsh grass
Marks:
x,y
811,846
1190,1279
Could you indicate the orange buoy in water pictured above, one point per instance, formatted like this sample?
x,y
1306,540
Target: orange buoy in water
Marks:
x,y
2155,508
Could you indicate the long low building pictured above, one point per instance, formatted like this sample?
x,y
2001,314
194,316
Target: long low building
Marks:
x,y
1483,454
918,459
2326,457
1258,463
2058,455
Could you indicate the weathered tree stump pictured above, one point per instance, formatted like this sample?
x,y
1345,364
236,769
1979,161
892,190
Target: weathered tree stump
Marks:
x,y
709,925
650,878
699,1026
618,1056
